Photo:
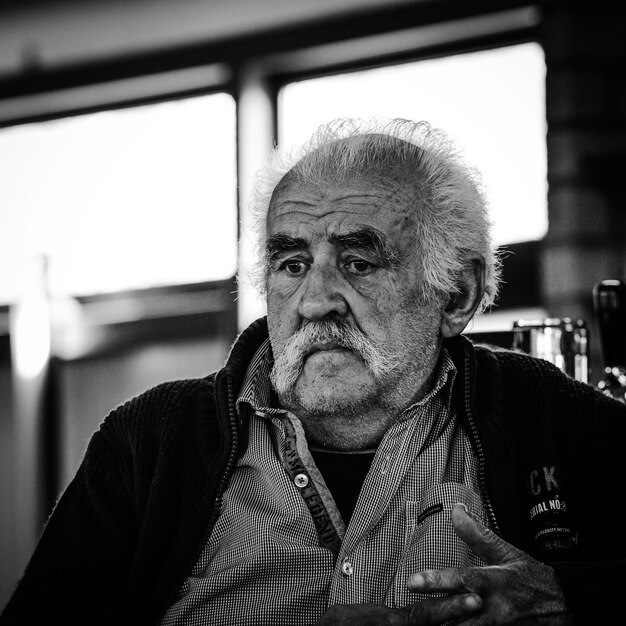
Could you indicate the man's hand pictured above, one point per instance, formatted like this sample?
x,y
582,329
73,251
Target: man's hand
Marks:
x,y
513,588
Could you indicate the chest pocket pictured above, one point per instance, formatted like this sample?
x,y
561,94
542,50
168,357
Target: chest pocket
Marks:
x,y
430,541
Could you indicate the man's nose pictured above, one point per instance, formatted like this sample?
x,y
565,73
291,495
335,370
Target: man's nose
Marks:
x,y
323,293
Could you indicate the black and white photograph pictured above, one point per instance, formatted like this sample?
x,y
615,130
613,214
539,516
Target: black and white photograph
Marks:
x,y
312,312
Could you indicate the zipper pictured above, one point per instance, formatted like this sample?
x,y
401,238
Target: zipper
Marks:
x,y
480,453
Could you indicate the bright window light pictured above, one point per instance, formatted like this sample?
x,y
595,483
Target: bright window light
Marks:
x,y
490,103
124,199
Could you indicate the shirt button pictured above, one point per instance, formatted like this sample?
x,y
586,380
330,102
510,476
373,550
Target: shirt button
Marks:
x,y
346,568
301,480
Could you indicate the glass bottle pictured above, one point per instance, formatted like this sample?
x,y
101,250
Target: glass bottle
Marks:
x,y
609,301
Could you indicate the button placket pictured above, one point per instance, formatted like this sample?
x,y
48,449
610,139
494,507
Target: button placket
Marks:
x,y
301,480
347,569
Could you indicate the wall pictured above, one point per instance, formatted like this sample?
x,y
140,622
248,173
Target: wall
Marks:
x,y
585,52
8,559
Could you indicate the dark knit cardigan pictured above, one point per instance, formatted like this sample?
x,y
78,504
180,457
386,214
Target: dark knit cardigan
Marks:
x,y
131,524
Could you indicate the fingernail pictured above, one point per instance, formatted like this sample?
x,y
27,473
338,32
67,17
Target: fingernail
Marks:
x,y
416,581
461,504
472,602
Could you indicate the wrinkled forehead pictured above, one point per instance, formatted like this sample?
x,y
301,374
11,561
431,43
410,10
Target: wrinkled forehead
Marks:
x,y
346,209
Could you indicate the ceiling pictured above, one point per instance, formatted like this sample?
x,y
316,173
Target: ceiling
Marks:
x,y
46,35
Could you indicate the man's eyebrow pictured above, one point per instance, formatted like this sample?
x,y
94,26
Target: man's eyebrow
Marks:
x,y
281,243
368,239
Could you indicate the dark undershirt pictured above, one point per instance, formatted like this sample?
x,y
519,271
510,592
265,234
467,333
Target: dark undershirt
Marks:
x,y
344,473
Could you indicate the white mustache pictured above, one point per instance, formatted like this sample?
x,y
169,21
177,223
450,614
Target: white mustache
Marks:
x,y
315,335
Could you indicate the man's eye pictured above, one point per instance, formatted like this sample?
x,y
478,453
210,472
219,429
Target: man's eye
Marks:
x,y
294,268
359,266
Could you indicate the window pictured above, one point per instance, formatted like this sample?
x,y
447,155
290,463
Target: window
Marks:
x,y
491,103
122,199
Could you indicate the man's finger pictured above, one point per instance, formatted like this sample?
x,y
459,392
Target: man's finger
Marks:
x,y
485,543
440,610
426,613
449,579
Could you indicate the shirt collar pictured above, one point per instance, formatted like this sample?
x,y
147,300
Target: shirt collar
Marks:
x,y
444,381
256,390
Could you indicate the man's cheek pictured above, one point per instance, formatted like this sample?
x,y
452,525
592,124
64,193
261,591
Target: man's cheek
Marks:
x,y
280,290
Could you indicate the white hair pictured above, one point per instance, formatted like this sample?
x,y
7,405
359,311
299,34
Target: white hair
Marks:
x,y
453,225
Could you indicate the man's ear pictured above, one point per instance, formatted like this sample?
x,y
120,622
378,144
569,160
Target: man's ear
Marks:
x,y
461,306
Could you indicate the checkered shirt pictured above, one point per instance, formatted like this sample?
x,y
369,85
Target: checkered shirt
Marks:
x,y
280,553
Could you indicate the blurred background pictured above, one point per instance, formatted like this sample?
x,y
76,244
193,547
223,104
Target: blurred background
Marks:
x,y
130,132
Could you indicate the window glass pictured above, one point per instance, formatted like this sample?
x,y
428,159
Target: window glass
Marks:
x,y
491,103
123,199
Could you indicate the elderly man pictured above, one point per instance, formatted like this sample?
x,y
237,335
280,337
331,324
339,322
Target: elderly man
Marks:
x,y
357,460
